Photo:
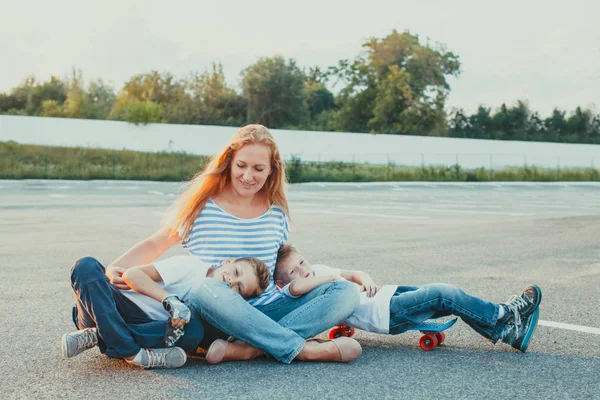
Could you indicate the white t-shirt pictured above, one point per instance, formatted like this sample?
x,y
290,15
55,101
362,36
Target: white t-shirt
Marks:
x,y
179,275
373,313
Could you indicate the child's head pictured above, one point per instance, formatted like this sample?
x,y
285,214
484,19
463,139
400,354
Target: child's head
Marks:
x,y
290,265
247,276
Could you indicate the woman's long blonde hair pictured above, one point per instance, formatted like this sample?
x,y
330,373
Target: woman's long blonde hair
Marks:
x,y
210,182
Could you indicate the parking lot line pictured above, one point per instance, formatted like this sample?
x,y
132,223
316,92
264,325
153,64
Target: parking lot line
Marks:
x,y
570,327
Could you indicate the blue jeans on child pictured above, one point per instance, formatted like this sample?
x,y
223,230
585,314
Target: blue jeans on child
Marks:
x,y
412,305
279,328
123,328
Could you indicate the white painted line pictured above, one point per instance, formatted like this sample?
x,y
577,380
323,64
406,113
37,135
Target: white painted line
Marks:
x,y
579,328
156,192
57,196
312,211
157,213
445,210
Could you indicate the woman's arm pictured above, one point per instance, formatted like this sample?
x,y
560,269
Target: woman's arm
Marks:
x,y
303,286
142,253
367,284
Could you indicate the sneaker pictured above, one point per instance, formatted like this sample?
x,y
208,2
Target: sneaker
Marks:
x,y
172,357
519,307
77,342
519,336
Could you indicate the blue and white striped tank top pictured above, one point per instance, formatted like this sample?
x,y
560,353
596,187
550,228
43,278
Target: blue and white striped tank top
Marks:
x,y
217,235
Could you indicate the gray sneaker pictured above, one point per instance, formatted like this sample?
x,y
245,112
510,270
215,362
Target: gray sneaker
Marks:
x,y
172,357
79,341
519,336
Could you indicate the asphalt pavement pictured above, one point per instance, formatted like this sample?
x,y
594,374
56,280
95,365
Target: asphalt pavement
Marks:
x,y
490,239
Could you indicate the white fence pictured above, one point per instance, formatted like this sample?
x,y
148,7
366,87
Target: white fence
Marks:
x,y
307,145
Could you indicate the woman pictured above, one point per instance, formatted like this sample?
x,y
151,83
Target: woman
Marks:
x,y
237,207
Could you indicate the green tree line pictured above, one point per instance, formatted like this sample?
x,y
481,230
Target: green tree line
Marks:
x,y
396,85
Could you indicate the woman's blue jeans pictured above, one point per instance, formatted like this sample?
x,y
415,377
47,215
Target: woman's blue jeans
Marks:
x,y
412,305
278,328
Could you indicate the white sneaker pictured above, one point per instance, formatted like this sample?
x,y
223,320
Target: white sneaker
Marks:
x,y
172,357
77,342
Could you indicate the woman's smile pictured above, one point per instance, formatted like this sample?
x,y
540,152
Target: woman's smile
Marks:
x,y
247,184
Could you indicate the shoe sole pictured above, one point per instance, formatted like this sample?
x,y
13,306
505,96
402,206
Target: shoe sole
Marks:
x,y
529,334
63,346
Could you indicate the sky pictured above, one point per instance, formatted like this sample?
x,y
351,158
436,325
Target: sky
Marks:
x,y
544,52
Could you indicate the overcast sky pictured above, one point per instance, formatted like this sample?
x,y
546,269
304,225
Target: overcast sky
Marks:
x,y
546,52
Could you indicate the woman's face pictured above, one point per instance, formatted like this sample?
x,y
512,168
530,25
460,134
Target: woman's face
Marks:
x,y
250,168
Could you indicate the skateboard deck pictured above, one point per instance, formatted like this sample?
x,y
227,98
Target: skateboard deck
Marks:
x,y
433,333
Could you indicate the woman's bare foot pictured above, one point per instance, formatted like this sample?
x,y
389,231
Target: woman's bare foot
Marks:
x,y
342,349
221,350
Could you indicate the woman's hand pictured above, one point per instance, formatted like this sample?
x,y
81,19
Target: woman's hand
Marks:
x,y
115,276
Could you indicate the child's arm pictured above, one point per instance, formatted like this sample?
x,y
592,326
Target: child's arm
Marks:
x,y
143,280
303,286
367,284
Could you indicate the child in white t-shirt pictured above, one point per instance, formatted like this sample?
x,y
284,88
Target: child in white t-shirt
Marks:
x,y
394,309
160,289
159,293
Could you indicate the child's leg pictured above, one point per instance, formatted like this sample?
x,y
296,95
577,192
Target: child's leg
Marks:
x,y
96,307
410,306
123,328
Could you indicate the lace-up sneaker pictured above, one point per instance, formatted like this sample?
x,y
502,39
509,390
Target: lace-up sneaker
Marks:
x,y
77,342
172,357
519,307
519,336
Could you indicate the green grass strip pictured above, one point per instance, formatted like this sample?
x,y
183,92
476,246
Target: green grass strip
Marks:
x,y
19,161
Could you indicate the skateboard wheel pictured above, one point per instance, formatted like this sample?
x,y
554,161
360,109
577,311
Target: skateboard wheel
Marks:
x,y
428,342
336,333
348,331
441,336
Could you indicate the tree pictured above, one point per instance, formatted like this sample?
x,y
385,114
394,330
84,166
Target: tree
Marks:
x,y
30,94
398,86
274,91
77,98
319,100
459,124
101,100
556,125
215,103
511,123
580,126
11,104
143,90
142,112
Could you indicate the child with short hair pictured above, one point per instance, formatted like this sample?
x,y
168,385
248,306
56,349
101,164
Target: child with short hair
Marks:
x,y
161,289
395,309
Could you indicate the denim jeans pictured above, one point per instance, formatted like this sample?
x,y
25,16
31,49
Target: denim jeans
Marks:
x,y
279,328
123,328
412,305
